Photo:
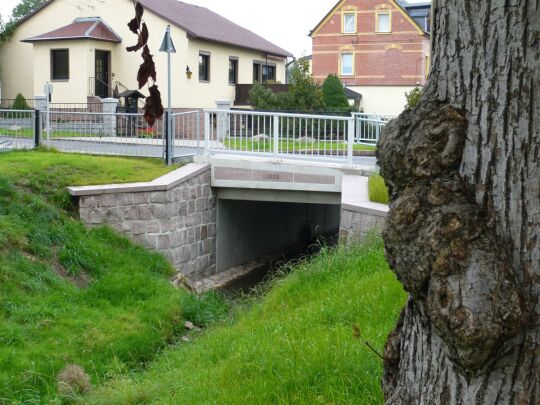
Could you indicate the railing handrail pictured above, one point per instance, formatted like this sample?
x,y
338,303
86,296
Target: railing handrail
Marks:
x,y
184,113
123,114
372,120
275,114
8,110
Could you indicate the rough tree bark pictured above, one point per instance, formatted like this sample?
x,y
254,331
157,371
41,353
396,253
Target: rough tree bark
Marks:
x,y
463,234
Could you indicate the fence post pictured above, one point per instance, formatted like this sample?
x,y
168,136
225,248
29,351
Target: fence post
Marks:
x,y
350,141
37,128
206,133
198,121
167,122
276,136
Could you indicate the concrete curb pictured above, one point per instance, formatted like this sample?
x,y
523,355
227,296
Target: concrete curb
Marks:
x,y
163,183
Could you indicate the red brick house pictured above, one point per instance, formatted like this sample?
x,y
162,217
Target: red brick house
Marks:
x,y
378,48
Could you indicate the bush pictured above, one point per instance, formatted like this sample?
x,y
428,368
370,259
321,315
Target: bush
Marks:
x,y
20,103
413,97
334,95
262,98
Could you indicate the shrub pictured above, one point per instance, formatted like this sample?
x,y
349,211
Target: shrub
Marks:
x,y
262,98
20,103
334,95
413,97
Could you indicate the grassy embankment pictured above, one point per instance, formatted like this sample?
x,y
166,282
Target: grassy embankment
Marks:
x,y
294,346
74,296
69,295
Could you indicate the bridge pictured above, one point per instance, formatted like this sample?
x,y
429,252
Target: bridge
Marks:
x,y
213,218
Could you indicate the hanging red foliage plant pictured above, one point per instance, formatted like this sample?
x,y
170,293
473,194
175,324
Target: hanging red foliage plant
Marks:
x,y
153,108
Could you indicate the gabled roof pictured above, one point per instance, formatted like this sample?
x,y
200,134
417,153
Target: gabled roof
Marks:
x,y
396,3
82,28
202,23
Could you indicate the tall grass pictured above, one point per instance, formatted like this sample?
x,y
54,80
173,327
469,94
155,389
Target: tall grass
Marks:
x,y
378,192
295,346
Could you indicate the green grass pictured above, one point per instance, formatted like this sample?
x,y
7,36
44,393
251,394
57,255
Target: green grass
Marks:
x,y
48,173
29,133
290,146
295,346
69,295
378,192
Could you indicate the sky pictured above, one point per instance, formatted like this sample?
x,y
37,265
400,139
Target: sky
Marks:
x,y
286,23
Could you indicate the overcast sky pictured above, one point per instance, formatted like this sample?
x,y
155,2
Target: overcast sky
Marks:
x,y
283,22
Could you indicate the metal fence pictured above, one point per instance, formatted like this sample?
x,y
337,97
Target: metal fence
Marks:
x,y
186,130
280,135
276,135
368,127
17,129
103,133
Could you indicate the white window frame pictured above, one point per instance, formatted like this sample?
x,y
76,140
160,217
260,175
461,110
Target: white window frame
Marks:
x,y
344,22
377,22
342,65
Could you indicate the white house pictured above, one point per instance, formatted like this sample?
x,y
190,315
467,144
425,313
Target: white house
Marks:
x,y
80,47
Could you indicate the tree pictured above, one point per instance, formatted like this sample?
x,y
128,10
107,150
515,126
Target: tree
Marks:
x,y
20,11
304,93
463,232
26,7
334,95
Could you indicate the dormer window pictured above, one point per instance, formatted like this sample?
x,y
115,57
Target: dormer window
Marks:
x,y
349,23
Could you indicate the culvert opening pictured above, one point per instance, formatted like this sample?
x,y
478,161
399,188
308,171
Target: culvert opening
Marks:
x,y
255,237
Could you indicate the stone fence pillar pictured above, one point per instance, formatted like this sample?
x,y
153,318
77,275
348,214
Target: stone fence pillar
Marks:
x,y
109,121
223,121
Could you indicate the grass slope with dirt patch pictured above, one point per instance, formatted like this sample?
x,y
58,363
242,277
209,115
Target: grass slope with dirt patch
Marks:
x,y
69,295
295,346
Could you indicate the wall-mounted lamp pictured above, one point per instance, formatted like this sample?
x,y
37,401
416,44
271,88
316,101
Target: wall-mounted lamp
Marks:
x,y
189,73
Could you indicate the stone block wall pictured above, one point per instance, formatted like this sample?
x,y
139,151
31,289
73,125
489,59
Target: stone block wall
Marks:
x,y
179,222
356,223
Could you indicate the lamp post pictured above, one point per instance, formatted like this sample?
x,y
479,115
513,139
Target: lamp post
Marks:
x,y
168,46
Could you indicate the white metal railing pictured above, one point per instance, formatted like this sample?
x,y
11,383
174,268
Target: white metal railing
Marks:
x,y
125,134
279,135
187,132
17,129
368,131
368,127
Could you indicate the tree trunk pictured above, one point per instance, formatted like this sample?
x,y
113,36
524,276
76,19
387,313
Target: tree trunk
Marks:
x,y
463,234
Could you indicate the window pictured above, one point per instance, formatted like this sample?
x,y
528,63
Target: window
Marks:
x,y
383,22
204,67
263,72
268,73
233,70
349,23
347,64
59,64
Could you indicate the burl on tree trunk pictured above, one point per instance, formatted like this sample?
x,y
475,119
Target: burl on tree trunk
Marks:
x,y
463,233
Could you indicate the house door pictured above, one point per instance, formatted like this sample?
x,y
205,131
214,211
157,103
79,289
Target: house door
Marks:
x,y
103,59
